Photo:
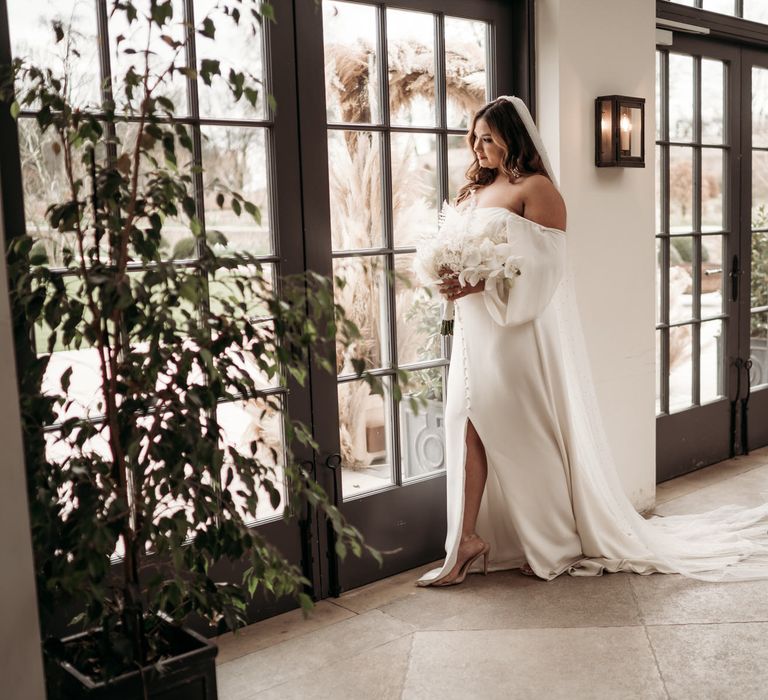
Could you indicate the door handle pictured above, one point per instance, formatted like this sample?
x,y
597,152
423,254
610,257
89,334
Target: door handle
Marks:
x,y
735,272
333,461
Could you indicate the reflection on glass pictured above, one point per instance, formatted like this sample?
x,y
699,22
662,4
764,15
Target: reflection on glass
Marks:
x,y
712,277
351,63
759,106
465,74
680,368
160,57
712,92
680,189
459,160
414,186
759,277
235,46
680,97
354,174
712,164
712,341
758,350
418,313
359,288
32,38
726,7
365,432
234,160
680,277
756,10
759,186
422,429
243,422
411,60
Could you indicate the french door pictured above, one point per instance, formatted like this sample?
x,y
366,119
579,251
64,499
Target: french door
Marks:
x,y
386,91
365,142
712,106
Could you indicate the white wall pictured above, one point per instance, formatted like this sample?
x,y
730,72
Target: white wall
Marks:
x,y
21,669
587,48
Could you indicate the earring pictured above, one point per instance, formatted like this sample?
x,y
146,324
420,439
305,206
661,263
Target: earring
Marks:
x,y
515,172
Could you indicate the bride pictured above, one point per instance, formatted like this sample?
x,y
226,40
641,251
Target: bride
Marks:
x,y
530,481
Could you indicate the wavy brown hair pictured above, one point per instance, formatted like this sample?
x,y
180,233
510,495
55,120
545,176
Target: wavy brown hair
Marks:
x,y
509,133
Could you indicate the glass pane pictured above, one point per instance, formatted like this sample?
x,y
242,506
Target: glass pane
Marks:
x,y
712,277
756,10
363,298
222,286
659,259
422,428
418,316
680,97
712,95
161,56
758,350
658,372
351,63
176,240
411,56
680,368
759,295
726,7
237,47
32,38
354,173
759,184
712,345
712,189
365,431
680,189
759,106
243,422
44,178
85,382
630,120
658,96
465,72
659,166
459,160
235,160
414,186
680,278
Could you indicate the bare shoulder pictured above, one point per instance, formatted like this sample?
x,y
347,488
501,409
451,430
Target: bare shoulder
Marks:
x,y
542,202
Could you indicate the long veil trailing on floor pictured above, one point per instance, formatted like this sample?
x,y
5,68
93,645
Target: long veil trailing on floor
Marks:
x,y
729,543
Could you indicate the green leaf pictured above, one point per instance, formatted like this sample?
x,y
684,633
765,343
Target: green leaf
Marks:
x,y
15,109
209,28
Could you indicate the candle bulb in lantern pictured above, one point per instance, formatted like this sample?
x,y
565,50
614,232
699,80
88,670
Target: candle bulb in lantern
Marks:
x,y
625,126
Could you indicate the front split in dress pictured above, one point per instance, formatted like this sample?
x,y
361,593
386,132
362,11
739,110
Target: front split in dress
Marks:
x,y
552,497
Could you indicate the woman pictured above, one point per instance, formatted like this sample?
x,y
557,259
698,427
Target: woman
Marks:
x,y
530,480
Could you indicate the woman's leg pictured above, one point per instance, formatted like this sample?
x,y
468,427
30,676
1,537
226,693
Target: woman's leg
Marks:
x,y
476,472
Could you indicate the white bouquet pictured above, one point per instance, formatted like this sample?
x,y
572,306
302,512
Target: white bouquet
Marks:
x,y
456,251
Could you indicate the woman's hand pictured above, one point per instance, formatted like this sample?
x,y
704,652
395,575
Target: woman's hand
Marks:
x,y
452,290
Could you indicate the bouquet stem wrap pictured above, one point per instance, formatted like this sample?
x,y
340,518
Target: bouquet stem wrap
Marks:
x,y
446,327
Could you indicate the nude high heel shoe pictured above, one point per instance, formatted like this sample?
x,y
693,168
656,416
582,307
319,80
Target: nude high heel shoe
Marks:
x,y
464,570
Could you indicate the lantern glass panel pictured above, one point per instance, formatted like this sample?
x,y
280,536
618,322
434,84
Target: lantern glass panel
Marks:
x,y
630,131
606,131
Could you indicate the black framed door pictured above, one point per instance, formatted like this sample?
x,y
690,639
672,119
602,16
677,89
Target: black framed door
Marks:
x,y
710,307
385,92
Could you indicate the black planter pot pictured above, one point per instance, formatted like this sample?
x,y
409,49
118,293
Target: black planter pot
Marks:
x,y
188,675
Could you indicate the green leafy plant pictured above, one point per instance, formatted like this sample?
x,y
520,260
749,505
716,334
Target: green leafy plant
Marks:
x,y
759,324
154,482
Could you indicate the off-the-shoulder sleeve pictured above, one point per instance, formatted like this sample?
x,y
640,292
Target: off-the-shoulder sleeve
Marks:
x,y
543,253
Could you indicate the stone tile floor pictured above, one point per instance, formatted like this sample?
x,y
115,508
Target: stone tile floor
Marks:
x,y
508,636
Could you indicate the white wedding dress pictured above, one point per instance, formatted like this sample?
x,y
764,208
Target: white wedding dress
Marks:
x,y
520,373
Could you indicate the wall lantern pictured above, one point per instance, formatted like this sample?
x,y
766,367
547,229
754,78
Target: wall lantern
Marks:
x,y
619,131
